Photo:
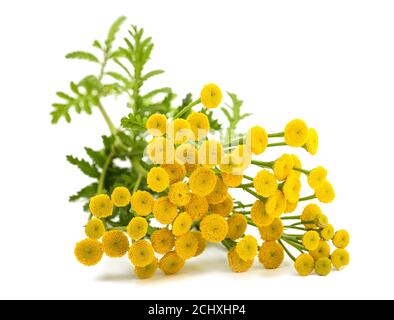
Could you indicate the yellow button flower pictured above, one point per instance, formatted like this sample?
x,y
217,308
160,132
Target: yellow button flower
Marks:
x,y
186,246
175,171
265,183
101,206
291,206
94,229
162,240
322,251
304,264
296,133
179,194
121,197
179,131
325,193
341,239
88,252
171,263
247,248
157,125
147,271
211,96
311,240
323,266
283,166
276,204
219,193
340,258
237,225
186,154
232,180
257,138
142,202
214,228
158,179
197,207
273,231
202,243
115,243
271,255
309,214
164,211
141,253
199,124
296,164
223,208
328,232
317,177
202,181
237,264
160,150
182,224
259,214
210,153
137,228
292,188
312,144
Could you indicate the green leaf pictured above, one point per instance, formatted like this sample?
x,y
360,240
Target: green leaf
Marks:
x,y
151,74
213,123
64,96
119,77
87,168
82,55
114,29
108,142
61,111
98,157
97,45
86,192
133,122
152,93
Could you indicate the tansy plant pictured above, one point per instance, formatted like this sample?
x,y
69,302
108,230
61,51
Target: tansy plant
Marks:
x,y
179,189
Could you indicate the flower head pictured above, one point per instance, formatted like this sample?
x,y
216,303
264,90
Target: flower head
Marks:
x,y
120,196
211,96
231,180
171,263
311,240
312,142
160,150
273,231
179,131
296,164
181,224
237,225
141,253
162,240
115,243
325,192
164,211
214,228
88,252
179,194
210,153
95,228
296,133
223,208
283,166
309,214
142,202
247,248
137,228
158,179
257,139
219,193
259,214
276,204
304,264
340,259
202,181
322,251
175,171
186,154
265,183
157,124
147,271
317,177
199,124
271,255
328,232
237,264
341,239
202,243
292,188
101,206
197,207
323,266
186,245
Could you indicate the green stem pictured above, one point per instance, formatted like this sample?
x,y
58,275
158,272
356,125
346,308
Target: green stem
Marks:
x,y
295,228
108,161
276,135
244,206
117,228
250,222
311,197
107,119
248,185
255,194
263,164
248,178
291,217
277,144
137,183
286,250
187,108
228,243
295,245
306,172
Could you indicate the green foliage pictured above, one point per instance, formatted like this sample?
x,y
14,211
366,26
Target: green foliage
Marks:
x,y
83,55
89,169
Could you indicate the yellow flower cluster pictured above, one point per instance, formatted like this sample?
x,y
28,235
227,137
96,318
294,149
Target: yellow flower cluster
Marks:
x,y
188,199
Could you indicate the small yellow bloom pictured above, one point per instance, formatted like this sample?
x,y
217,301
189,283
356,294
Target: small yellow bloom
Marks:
x,y
259,214
175,171
147,271
94,229
312,144
322,251
292,188
179,131
199,124
265,183
283,166
137,228
232,180
160,150
158,179
340,259
141,253
186,154
162,240
182,224
237,225
276,204
88,252
232,164
291,206
271,255
179,194
237,264
257,139
142,202
186,246
241,155
219,193
273,231
296,164
202,243
211,96
323,266
223,208
210,153
325,193
317,177
341,239
101,206
247,248
322,220
164,211
214,228
202,181
171,263
121,196
157,125
197,207
309,214
304,264
311,240
328,232
296,133
115,243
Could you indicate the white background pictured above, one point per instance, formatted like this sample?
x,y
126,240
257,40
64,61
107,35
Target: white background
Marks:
x,y
328,62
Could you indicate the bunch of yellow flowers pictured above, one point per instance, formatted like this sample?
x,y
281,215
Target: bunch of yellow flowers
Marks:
x,y
189,201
